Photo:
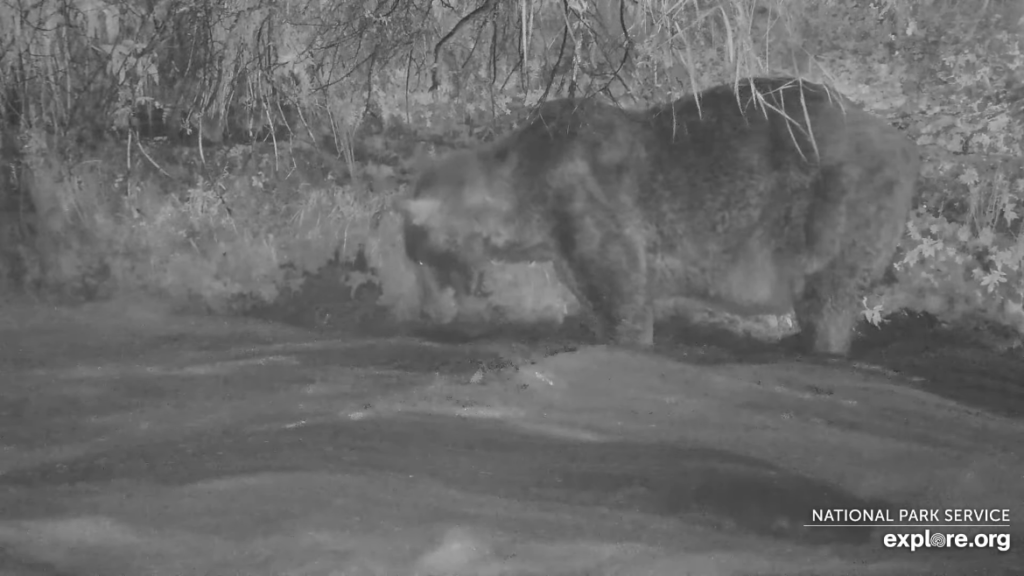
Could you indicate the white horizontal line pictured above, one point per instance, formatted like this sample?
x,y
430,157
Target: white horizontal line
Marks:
x,y
906,525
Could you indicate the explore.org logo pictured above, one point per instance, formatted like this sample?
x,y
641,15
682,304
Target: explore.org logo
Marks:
x,y
975,526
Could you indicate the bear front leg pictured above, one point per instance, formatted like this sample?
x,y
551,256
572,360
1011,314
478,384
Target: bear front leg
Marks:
x,y
612,282
598,325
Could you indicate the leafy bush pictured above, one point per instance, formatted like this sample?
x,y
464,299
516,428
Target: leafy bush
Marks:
x,y
963,256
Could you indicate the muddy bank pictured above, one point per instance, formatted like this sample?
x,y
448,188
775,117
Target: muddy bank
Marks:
x,y
138,441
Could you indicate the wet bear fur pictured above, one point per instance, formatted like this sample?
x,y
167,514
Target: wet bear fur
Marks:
x,y
794,199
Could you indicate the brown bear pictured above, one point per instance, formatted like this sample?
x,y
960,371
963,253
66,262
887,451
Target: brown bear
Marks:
x,y
770,196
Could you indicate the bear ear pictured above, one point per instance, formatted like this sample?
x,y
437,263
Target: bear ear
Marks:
x,y
419,210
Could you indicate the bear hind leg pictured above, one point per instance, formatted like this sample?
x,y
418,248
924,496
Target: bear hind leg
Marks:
x,y
828,308
827,314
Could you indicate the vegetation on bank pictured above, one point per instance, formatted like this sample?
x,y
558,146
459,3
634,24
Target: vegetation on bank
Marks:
x,y
222,153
